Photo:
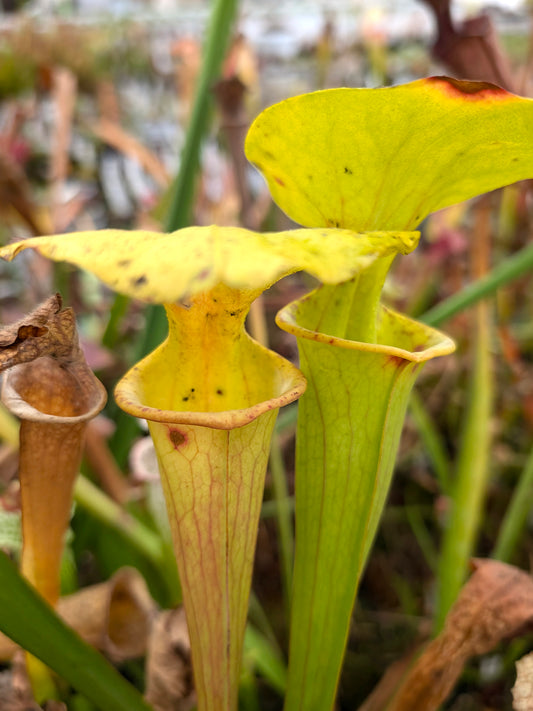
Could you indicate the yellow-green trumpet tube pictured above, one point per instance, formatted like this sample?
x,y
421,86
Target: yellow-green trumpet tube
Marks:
x,y
349,425
210,395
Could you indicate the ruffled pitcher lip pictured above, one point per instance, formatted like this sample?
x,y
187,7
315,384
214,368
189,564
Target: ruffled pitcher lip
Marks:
x,y
439,344
22,409
128,399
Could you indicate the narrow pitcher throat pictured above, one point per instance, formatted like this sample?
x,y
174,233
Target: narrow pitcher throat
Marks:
x,y
209,372
388,332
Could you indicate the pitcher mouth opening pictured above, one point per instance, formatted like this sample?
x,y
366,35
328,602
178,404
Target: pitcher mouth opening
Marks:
x,y
90,395
131,396
415,341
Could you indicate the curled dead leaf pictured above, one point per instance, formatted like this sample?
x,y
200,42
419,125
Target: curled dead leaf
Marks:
x,y
168,665
15,689
523,689
50,388
116,616
47,330
495,604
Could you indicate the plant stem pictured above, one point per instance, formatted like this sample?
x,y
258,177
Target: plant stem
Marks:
x,y
105,510
221,23
473,462
184,186
515,518
432,441
118,310
183,189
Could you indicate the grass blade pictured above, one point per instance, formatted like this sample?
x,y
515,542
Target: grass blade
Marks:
x,y
515,519
507,271
31,622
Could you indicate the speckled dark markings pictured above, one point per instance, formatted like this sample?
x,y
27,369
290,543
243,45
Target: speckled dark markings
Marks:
x,y
220,391
140,280
347,170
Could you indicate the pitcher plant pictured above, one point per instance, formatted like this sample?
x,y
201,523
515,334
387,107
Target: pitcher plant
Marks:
x,y
343,163
380,159
210,395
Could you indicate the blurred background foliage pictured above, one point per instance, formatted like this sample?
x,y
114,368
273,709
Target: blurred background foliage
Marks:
x,y
95,109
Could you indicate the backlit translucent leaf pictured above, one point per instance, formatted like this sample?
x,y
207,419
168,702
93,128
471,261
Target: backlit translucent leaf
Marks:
x,y
366,159
165,268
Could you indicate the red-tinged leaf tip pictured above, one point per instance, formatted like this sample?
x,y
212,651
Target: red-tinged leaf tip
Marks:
x,y
470,90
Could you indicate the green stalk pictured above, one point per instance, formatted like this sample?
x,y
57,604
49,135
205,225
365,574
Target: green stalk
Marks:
x,y
184,186
514,521
432,441
507,271
422,535
27,619
471,478
105,510
264,657
183,190
218,33
117,313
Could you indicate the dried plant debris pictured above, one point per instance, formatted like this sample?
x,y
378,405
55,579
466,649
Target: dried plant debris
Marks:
x,y
48,330
47,368
50,388
495,604
169,685
115,616
523,688
15,688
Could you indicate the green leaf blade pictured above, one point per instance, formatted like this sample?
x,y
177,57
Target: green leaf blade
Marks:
x,y
29,621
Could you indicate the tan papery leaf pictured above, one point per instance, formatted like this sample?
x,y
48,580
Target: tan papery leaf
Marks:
x,y
495,604
47,330
523,689
168,664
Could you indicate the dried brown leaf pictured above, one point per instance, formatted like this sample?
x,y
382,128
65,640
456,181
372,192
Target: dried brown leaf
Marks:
x,y
115,617
389,683
49,386
168,664
495,604
471,50
131,611
47,330
523,689
15,689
